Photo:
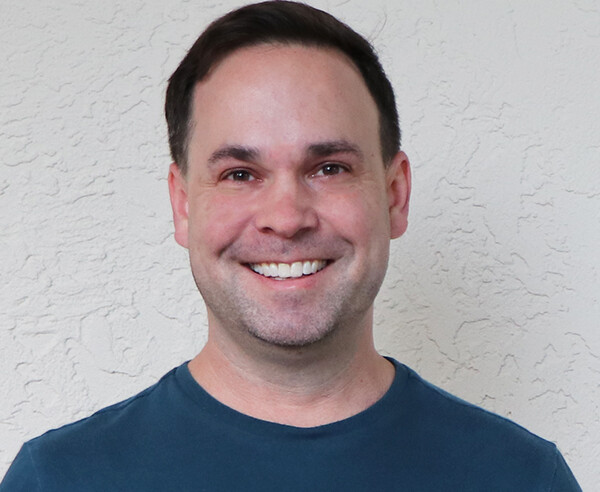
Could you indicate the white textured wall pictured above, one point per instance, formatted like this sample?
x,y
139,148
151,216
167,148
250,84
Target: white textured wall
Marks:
x,y
493,293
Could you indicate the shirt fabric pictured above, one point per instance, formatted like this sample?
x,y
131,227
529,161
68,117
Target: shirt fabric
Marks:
x,y
176,437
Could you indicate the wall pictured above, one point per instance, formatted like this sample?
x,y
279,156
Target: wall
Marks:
x,y
493,293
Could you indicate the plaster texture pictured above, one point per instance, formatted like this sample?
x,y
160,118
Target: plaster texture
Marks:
x,y
493,293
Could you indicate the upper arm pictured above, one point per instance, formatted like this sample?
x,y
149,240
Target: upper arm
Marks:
x,y
22,475
564,480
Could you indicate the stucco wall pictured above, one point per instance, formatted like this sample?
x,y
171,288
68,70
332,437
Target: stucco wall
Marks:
x,y
493,293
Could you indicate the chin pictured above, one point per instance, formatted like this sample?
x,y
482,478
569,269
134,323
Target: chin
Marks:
x,y
290,333
290,340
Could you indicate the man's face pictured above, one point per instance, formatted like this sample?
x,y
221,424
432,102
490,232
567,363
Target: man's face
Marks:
x,y
287,208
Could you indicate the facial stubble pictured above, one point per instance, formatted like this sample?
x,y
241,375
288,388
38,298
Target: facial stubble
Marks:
x,y
297,322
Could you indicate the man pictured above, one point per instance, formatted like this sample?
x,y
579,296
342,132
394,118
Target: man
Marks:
x,y
287,186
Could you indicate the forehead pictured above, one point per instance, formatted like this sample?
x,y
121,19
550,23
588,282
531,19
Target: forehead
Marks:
x,y
274,94
280,58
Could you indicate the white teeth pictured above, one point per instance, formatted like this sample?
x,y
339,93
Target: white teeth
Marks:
x,y
296,269
288,270
284,270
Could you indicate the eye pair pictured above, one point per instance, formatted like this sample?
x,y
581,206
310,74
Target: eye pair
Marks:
x,y
329,169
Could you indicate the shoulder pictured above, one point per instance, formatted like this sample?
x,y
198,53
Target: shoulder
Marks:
x,y
466,439
103,443
143,406
453,414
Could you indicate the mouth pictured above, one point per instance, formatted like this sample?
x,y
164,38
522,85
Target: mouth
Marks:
x,y
282,271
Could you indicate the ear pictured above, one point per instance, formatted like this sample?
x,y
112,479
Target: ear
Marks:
x,y
398,190
179,204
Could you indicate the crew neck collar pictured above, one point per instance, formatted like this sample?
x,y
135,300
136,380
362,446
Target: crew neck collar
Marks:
x,y
224,415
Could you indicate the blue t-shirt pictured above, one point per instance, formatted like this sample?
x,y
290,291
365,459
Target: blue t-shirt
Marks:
x,y
176,437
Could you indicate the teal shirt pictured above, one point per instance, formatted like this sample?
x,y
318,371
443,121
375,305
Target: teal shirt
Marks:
x,y
175,437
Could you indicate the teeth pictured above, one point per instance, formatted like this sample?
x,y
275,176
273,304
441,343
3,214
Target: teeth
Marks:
x,y
296,269
285,270
288,270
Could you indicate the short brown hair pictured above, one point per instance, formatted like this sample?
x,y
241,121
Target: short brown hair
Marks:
x,y
275,22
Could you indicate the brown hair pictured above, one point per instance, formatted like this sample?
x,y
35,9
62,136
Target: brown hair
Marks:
x,y
275,22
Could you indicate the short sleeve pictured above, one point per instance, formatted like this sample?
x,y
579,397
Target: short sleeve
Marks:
x,y
21,476
564,480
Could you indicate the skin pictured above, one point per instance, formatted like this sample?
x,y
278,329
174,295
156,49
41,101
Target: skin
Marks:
x,y
285,165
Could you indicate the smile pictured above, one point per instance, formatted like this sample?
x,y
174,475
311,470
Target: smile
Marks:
x,y
288,270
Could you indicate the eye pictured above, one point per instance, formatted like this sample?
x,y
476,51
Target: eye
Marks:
x,y
239,175
331,169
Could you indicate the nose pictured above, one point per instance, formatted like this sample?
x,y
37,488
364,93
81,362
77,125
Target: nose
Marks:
x,y
286,208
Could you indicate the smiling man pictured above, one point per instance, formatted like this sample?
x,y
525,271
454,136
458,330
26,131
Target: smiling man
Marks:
x,y
287,185
287,208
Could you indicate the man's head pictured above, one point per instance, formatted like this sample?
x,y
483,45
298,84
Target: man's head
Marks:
x,y
286,206
279,22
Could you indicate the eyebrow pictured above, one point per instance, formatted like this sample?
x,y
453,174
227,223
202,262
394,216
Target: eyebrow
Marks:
x,y
327,148
237,152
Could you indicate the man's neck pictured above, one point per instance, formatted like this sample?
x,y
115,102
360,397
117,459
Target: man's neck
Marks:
x,y
300,387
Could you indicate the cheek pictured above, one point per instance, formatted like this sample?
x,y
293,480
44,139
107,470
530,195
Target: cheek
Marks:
x,y
360,214
216,221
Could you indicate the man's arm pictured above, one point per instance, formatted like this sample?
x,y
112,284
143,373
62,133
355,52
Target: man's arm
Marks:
x,y
21,476
564,480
